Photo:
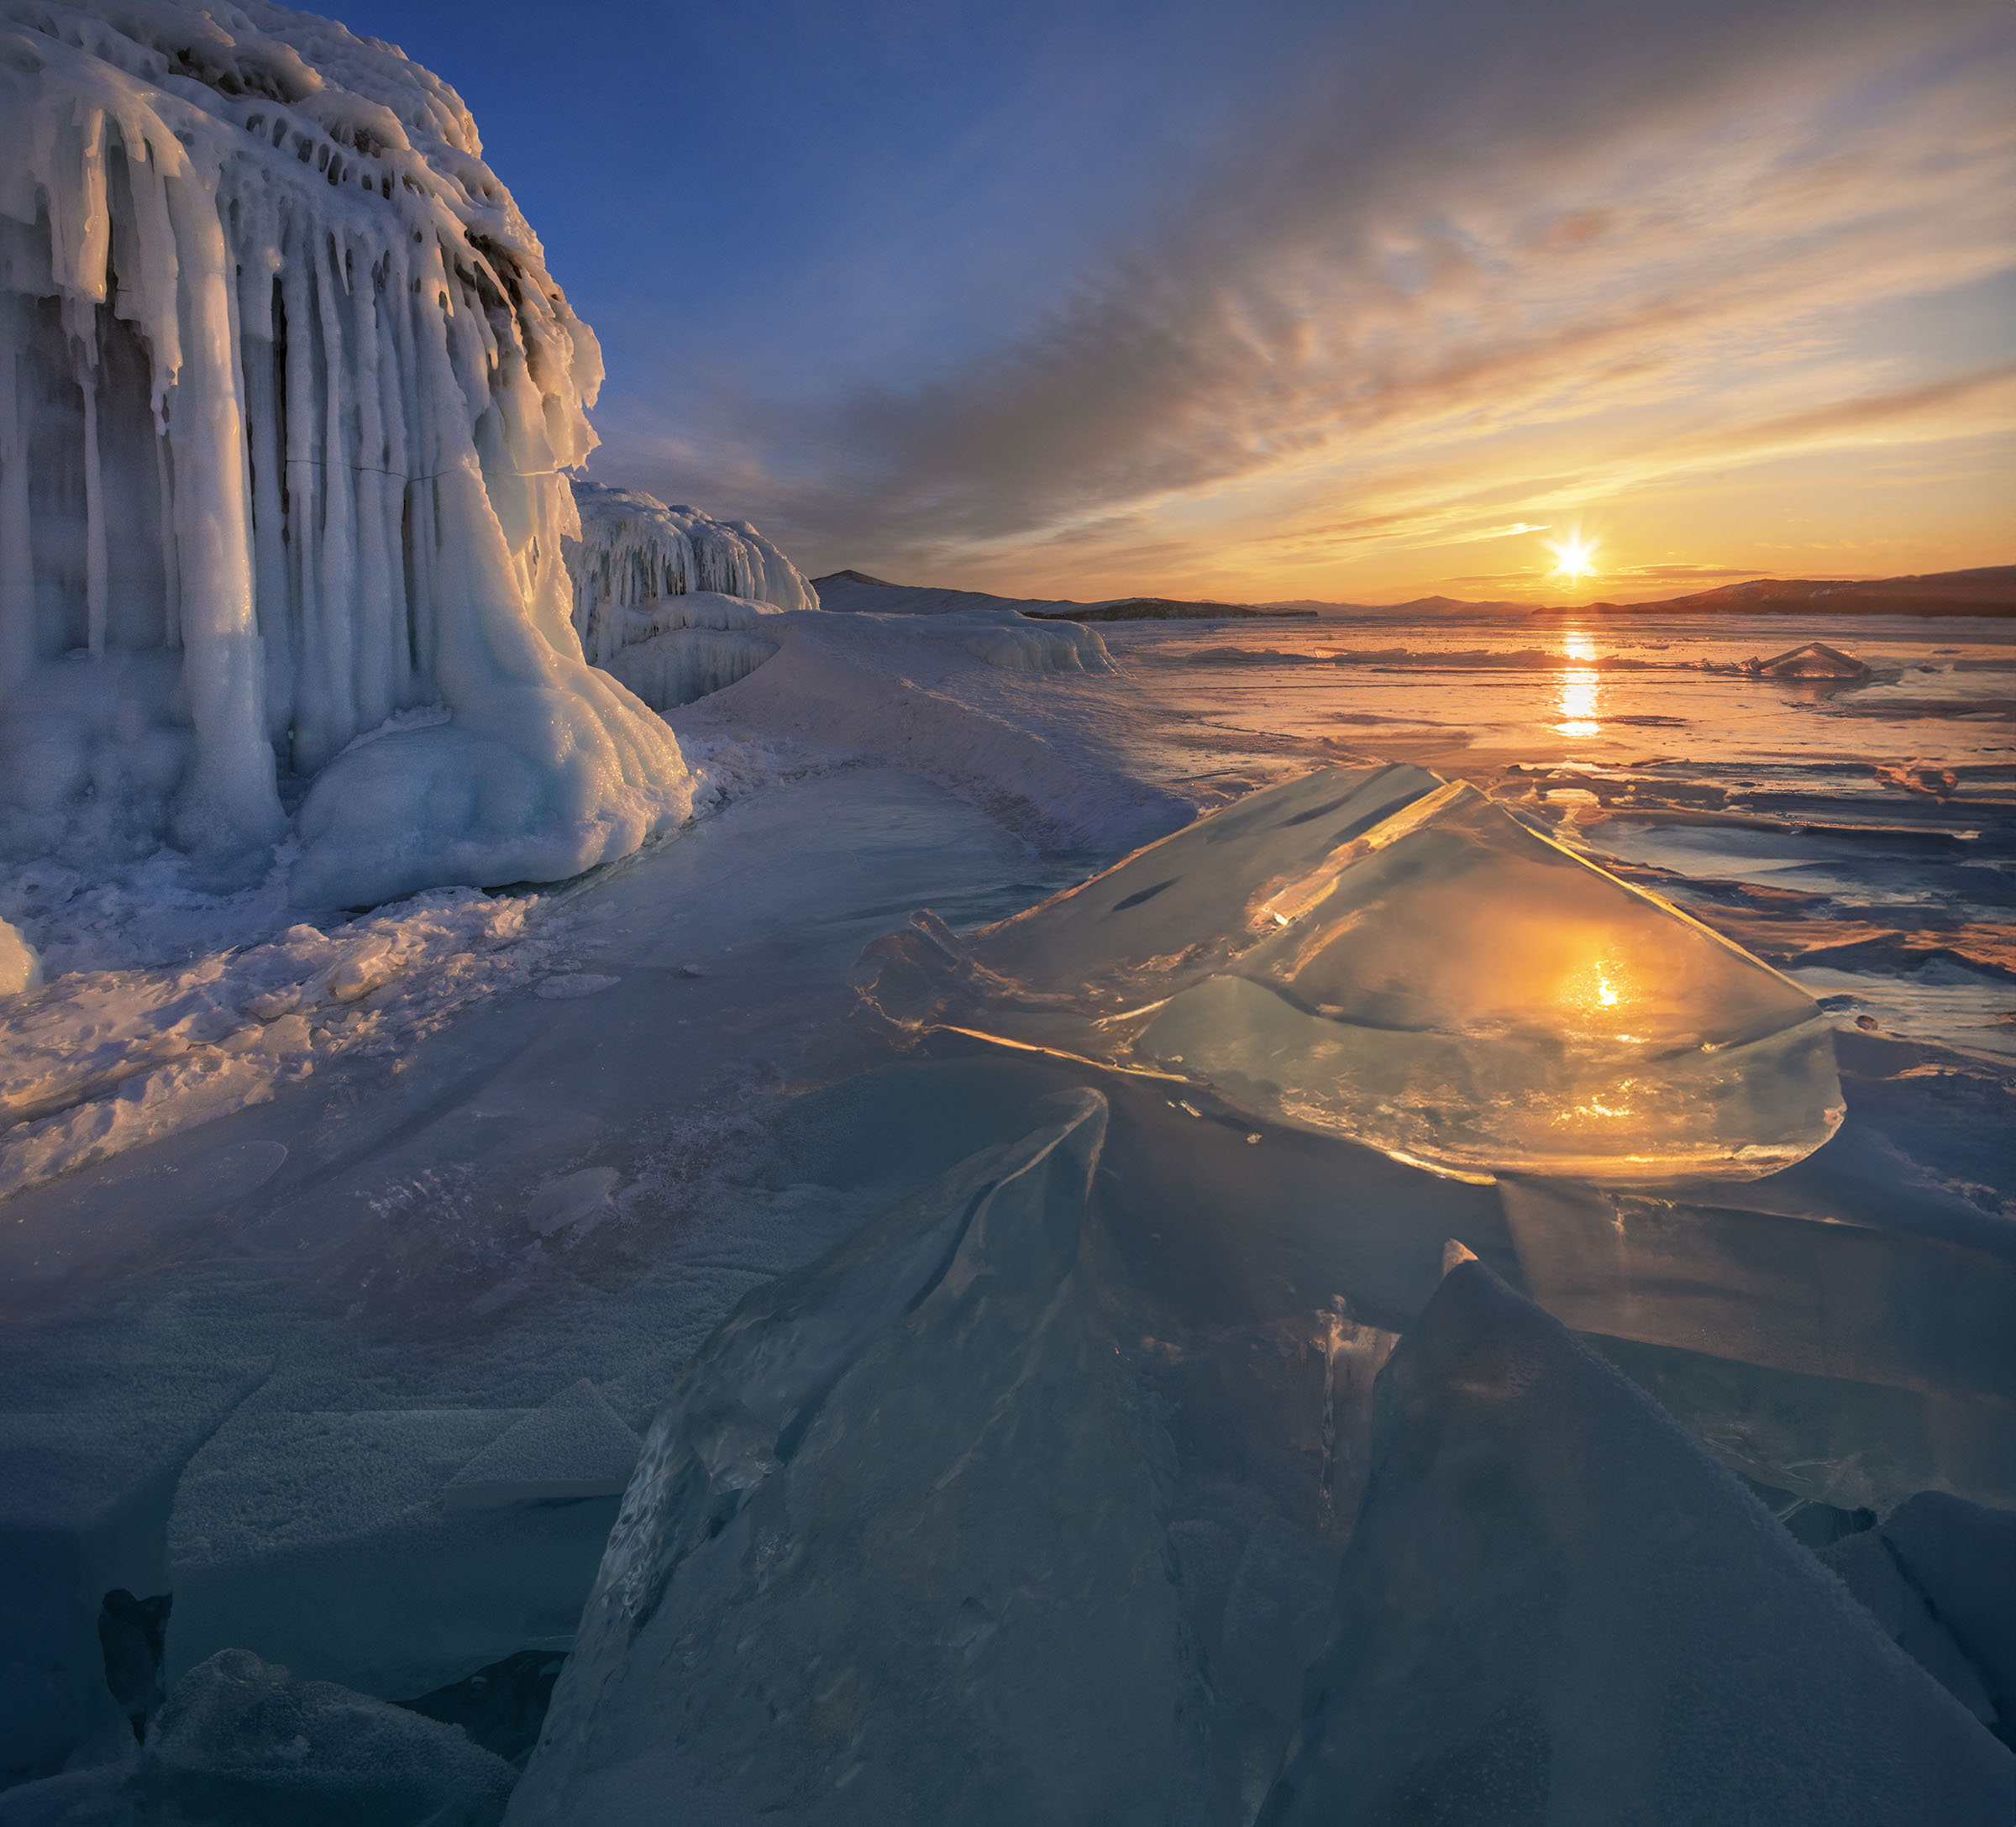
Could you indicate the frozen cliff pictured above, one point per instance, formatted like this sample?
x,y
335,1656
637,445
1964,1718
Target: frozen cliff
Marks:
x,y
669,600
286,395
634,555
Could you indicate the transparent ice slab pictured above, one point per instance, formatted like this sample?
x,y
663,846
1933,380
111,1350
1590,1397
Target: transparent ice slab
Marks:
x,y
1380,954
1556,1608
893,1552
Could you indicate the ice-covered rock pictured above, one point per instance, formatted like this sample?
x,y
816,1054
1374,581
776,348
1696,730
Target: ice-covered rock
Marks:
x,y
635,559
288,395
242,1743
1556,1608
674,668
1379,953
20,968
894,1551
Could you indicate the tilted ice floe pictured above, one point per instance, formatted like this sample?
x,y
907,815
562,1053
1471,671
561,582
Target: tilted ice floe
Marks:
x,y
1378,952
1001,1513
287,393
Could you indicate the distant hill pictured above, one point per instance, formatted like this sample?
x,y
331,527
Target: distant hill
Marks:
x,y
854,577
1989,591
1417,606
855,592
1160,609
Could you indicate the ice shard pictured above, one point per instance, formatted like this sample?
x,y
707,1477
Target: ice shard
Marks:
x,y
1556,1608
1380,954
895,1549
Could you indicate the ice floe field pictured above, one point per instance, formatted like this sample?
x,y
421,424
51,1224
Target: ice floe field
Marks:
x,y
491,1168
637,1189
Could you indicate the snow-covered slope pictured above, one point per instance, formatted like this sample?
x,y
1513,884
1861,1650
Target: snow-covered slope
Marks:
x,y
285,390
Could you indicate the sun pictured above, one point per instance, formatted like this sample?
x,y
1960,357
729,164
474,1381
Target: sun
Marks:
x,y
1573,557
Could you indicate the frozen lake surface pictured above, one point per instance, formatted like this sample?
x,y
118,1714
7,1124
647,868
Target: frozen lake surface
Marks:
x,y
358,1372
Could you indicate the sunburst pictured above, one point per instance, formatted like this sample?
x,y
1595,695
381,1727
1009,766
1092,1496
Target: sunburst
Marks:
x,y
1574,557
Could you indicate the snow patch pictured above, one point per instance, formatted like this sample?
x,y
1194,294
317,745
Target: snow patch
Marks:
x,y
100,1061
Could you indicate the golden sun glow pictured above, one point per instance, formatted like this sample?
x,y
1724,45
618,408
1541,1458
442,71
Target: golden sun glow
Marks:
x,y
1574,557
1598,988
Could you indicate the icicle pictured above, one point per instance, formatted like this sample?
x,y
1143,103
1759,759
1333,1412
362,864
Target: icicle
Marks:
x,y
363,389
16,567
85,366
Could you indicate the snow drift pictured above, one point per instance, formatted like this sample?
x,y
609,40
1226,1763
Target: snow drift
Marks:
x,y
286,392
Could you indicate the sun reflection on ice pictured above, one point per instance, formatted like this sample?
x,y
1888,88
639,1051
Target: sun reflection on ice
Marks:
x,y
1581,699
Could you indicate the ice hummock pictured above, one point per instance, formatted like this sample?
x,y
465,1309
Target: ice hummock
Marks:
x,y
291,394
997,1513
1379,953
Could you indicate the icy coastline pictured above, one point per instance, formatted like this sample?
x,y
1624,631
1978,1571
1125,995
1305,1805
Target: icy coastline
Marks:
x,y
417,1251
625,1190
267,313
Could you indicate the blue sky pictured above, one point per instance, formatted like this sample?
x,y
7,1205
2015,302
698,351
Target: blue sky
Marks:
x,y
1283,300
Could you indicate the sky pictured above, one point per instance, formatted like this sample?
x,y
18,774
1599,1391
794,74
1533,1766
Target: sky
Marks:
x,y
1359,301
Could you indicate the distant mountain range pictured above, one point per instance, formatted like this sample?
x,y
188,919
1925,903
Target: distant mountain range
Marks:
x,y
857,592
1989,591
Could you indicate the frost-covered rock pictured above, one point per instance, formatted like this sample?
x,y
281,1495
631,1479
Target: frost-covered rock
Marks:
x,y
1556,1608
242,1743
287,391
1378,952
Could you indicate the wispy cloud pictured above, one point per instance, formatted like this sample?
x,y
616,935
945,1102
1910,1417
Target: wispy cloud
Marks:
x,y
1487,261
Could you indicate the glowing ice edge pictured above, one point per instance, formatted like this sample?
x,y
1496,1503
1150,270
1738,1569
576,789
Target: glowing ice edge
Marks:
x,y
1296,984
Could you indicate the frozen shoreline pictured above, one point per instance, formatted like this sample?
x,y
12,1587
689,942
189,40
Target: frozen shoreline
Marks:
x,y
580,1146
